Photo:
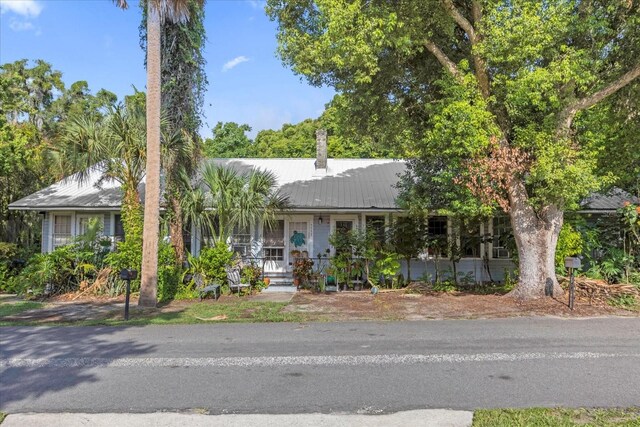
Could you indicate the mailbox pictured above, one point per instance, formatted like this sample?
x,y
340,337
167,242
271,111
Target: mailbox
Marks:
x,y
126,274
572,262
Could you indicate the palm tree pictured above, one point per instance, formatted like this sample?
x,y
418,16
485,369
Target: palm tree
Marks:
x,y
157,12
235,199
114,146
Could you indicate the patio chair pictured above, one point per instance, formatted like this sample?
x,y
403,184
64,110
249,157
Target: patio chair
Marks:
x,y
234,279
203,289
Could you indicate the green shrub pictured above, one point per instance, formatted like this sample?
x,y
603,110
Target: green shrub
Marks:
x,y
570,243
213,262
51,273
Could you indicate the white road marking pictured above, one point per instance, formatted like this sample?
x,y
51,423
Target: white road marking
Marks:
x,y
272,361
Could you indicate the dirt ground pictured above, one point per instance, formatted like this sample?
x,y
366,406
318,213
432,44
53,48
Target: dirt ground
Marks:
x,y
386,305
398,305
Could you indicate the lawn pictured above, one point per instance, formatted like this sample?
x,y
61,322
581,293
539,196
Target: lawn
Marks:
x,y
206,312
234,311
9,309
547,417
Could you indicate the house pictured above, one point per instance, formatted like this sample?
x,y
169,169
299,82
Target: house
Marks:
x,y
325,194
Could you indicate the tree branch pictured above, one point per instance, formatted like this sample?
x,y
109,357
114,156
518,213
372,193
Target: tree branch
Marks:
x,y
479,63
460,20
568,114
447,63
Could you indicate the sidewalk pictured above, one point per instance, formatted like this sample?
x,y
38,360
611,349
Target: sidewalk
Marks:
x,y
417,418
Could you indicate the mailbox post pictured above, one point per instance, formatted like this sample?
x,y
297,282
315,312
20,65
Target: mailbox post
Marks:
x,y
127,275
572,263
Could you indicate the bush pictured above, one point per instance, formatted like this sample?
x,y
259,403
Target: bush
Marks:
x,y
213,262
570,243
48,274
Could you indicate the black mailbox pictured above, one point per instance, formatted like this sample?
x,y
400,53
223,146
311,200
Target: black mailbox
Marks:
x,y
572,262
126,274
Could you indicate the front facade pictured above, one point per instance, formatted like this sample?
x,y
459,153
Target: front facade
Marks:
x,y
326,195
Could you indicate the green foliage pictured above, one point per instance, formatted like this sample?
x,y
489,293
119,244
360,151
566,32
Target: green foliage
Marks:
x,y
251,273
489,100
170,285
570,243
234,200
229,140
214,261
47,274
626,301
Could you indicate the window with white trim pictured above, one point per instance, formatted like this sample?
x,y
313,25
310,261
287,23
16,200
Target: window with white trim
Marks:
x,y
273,241
241,240
61,230
502,237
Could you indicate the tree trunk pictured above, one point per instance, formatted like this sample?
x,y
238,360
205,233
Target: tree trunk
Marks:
x,y
149,283
176,229
536,236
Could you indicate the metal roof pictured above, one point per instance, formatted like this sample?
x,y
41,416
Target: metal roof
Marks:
x,y
609,201
345,184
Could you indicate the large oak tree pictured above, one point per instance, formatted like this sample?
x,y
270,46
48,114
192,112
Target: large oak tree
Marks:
x,y
487,98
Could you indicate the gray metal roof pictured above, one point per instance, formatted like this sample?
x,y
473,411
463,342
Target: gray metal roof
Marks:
x,y
346,184
357,184
609,201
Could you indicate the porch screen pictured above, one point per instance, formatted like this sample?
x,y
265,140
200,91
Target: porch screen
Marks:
x,y
502,237
273,244
375,225
61,230
470,240
438,235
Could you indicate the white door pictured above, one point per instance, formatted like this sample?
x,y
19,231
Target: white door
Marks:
x,y
299,238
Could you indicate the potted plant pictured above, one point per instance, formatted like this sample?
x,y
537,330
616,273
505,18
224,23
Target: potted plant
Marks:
x,y
302,269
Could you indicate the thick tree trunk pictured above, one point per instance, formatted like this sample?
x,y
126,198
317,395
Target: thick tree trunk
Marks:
x,y
149,283
176,229
536,236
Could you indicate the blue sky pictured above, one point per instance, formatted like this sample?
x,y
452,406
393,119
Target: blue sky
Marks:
x,y
93,40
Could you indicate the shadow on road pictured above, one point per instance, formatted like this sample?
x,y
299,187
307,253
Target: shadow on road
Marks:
x,y
19,383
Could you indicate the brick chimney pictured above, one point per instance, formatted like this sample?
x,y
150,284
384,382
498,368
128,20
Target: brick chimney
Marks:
x,y
321,149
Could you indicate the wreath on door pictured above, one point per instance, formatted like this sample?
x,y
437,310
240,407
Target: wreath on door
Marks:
x,y
297,239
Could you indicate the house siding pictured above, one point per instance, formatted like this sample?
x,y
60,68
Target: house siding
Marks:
x,y
46,232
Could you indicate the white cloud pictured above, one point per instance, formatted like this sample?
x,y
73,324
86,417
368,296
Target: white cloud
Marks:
x,y
234,62
28,8
16,25
256,4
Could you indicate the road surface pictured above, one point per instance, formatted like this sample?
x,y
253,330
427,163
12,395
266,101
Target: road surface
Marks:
x,y
355,367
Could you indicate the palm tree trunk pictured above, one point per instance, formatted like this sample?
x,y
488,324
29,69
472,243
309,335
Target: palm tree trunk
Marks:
x,y
176,227
149,283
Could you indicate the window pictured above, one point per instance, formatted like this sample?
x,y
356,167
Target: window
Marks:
x,y
344,226
470,239
118,229
61,230
437,235
241,240
502,237
377,225
273,241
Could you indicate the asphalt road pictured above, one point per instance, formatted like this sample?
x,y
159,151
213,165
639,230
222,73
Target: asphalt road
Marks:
x,y
361,367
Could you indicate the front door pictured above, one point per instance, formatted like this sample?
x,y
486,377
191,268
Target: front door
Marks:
x,y
299,238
